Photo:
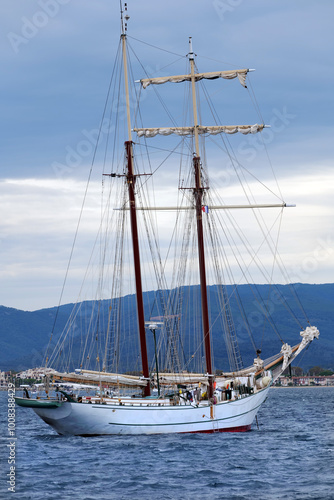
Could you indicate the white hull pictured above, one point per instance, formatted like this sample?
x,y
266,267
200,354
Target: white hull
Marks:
x,y
149,418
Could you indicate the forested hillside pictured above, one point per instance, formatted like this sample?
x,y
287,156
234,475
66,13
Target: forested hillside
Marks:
x,y
25,335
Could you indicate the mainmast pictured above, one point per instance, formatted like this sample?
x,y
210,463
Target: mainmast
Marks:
x,y
198,195
131,180
198,190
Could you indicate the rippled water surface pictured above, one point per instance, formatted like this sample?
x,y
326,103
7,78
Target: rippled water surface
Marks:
x,y
290,456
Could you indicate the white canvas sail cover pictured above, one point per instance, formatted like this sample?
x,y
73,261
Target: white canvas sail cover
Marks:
x,y
310,333
227,75
211,130
88,376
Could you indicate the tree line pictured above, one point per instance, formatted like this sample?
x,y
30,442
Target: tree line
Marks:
x,y
314,371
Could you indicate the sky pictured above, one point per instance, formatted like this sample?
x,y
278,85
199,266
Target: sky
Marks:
x,y
56,59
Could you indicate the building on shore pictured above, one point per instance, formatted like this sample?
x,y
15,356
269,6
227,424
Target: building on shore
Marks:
x,y
34,373
4,379
305,381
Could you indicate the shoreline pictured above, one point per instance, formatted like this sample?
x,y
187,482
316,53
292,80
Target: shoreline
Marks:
x,y
300,386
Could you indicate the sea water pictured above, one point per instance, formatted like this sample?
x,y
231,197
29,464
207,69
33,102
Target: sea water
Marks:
x,y
289,455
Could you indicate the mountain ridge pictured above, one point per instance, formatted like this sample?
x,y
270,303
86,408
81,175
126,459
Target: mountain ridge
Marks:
x,y
25,334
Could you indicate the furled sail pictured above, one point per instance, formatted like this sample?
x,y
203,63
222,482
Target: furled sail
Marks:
x,y
211,130
91,377
227,75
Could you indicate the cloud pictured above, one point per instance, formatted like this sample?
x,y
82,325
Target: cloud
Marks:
x,y
37,233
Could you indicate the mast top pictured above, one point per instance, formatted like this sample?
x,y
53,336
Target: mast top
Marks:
x,y
191,53
124,25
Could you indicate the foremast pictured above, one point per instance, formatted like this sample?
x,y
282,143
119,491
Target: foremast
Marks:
x,y
131,181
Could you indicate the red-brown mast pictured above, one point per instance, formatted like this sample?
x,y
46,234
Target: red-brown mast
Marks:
x,y
198,194
131,179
